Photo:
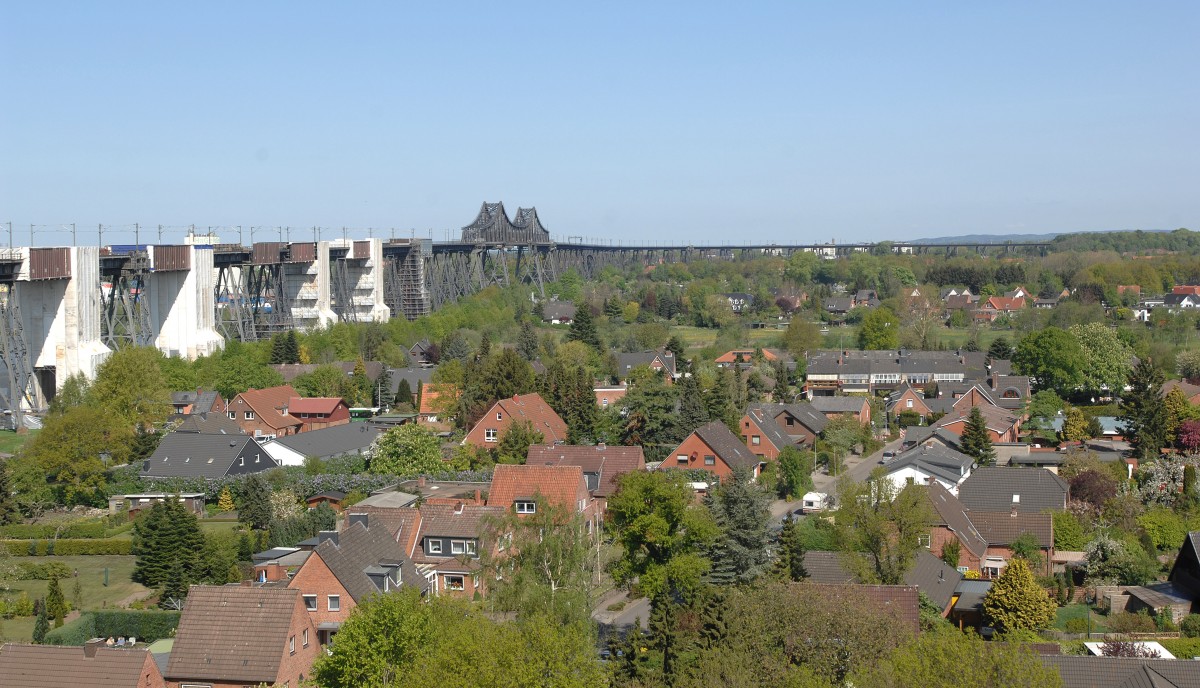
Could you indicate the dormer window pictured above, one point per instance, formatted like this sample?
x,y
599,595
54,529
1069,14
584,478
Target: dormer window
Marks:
x,y
434,546
526,507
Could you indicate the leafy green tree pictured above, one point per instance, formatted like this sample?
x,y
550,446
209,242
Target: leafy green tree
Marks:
x,y
740,508
1143,414
1027,547
583,328
1187,364
1106,357
977,440
454,348
1000,349
692,411
381,390
379,643
278,349
661,530
505,374
73,393
240,372
802,336
515,441
527,342
408,450
69,447
795,472
10,511
676,346
291,348
166,538
254,502
325,380
130,386
360,385
880,330
841,435
939,659
404,393
650,419
1053,358
1016,602
879,527
791,552
1068,533
951,551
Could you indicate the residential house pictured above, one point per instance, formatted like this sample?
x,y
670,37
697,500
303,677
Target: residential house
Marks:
x,y
740,301
438,401
869,372
264,412
1002,425
558,312
1191,391
530,408
929,574
907,398
423,352
731,357
866,298
663,361
1186,290
200,401
447,543
525,489
1177,301
995,306
835,406
715,449
838,305
610,395
134,503
923,465
1011,392
1046,303
964,301
602,465
236,635
318,413
341,440
951,522
1000,529
1028,490
1079,671
800,421
192,455
417,377
206,423
931,437
331,497
347,567
94,665
763,436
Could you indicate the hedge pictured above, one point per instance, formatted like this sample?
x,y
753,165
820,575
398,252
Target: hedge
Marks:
x,y
40,531
43,571
146,626
63,548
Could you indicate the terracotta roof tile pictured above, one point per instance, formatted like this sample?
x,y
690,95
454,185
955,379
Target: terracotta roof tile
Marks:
x,y
532,408
561,485
324,405
44,666
269,403
609,462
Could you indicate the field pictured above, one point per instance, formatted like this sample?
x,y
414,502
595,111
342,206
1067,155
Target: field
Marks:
x,y
11,442
119,592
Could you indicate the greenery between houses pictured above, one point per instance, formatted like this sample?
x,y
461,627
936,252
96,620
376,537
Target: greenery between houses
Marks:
x,y
146,626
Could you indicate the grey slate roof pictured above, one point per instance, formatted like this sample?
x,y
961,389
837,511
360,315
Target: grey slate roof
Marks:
x,y
1124,672
771,431
1001,528
952,514
838,404
193,455
920,435
727,445
803,412
339,440
208,424
202,400
627,362
929,574
992,488
414,375
358,549
941,462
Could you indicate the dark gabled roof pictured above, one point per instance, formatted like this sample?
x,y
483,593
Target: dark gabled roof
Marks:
x,y
838,304
335,441
193,455
770,429
938,461
1001,528
924,433
419,375
627,362
1124,672
607,461
206,423
200,399
952,514
555,310
902,601
838,404
232,634
359,548
448,520
727,445
929,574
802,411
47,666
992,488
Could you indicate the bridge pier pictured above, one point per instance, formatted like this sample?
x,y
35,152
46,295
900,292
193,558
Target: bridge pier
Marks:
x,y
181,300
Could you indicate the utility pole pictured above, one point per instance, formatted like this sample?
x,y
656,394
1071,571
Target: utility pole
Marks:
x,y
10,234
99,234
72,233
137,234
160,234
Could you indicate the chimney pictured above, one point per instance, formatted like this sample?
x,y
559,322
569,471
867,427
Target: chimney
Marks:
x,y
600,446
478,497
364,519
330,535
1016,502
420,481
90,647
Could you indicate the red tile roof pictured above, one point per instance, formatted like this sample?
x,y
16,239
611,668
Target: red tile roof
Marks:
x,y
608,461
559,485
40,666
432,393
270,404
323,405
532,408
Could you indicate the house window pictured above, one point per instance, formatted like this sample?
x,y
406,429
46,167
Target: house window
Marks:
x,y
923,540
499,416
682,458
756,440
292,645
503,541
526,507
582,505
489,435
233,415
710,460
249,415
790,421
458,547
335,603
604,402
963,569
310,603
241,461
455,583
434,546
908,403
257,457
304,642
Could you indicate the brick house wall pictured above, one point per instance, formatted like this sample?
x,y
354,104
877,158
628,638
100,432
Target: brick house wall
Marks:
x,y
1006,553
749,429
696,451
940,535
918,404
795,429
299,663
606,397
255,424
314,421
315,578
472,583
958,426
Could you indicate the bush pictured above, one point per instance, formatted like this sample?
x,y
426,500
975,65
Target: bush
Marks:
x,y
1190,626
46,571
85,530
146,626
1182,648
1124,622
77,632
1076,625
19,606
37,548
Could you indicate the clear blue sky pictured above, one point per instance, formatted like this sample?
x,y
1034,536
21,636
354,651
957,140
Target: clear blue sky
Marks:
x,y
672,122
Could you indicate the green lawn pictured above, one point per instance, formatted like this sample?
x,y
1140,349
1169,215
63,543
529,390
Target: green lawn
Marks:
x,y
119,591
11,442
1077,611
